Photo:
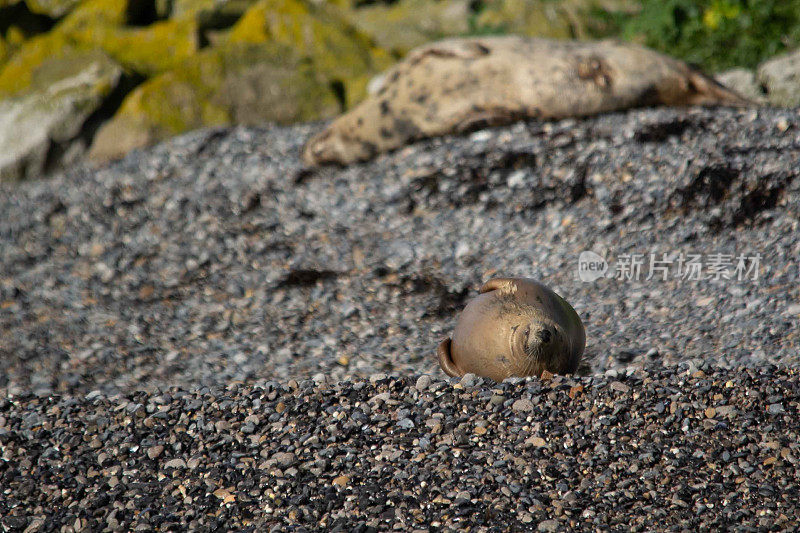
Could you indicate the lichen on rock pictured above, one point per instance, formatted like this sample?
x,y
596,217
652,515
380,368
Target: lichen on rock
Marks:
x,y
321,34
406,24
52,8
780,76
51,116
148,50
241,83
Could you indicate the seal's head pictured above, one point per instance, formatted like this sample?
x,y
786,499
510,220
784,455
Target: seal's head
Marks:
x,y
343,142
515,327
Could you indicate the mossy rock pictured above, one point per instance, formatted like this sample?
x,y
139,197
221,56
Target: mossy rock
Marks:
x,y
207,8
235,83
318,33
16,74
147,50
534,18
5,51
94,12
50,117
52,8
406,24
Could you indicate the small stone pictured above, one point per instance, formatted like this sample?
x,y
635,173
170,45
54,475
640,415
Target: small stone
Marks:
x,y
284,459
547,526
620,387
539,442
154,451
775,409
423,382
175,463
405,423
342,480
467,380
225,496
522,405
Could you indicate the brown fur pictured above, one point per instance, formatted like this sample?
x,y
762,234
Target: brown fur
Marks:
x,y
515,327
460,84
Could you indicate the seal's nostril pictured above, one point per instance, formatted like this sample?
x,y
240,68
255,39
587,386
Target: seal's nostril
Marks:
x,y
545,335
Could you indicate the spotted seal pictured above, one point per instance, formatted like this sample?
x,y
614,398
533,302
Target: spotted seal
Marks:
x,y
514,327
458,85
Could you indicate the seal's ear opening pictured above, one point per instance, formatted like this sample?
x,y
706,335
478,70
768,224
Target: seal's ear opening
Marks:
x,y
501,284
446,359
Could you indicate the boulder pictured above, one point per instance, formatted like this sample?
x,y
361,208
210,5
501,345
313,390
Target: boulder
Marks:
x,y
240,83
780,77
4,51
744,82
148,50
320,34
42,128
51,8
533,18
406,24
16,74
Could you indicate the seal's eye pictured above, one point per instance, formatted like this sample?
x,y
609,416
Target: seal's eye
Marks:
x,y
545,335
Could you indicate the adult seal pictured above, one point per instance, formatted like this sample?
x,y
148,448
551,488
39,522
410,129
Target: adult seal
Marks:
x,y
458,85
514,327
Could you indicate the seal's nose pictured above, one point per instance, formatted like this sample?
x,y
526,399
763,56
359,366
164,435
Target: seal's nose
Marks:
x,y
544,335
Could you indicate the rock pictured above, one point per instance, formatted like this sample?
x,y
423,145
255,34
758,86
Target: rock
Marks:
x,y
406,24
619,386
175,463
744,82
535,19
148,50
48,121
16,75
238,83
51,8
522,405
548,525
423,382
319,34
155,451
780,76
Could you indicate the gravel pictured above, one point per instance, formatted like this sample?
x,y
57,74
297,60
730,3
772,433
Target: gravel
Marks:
x,y
207,335
681,448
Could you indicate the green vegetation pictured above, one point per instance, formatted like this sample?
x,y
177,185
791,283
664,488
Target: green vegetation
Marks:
x,y
715,34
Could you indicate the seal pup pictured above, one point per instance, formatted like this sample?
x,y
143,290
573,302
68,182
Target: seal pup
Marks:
x,y
514,327
458,85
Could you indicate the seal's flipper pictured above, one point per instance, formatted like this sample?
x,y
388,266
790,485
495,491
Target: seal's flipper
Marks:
x,y
504,285
446,359
708,91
